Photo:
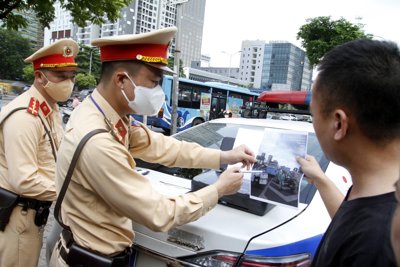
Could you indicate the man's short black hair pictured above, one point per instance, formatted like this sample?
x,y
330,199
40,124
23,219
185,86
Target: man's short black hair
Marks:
x,y
363,78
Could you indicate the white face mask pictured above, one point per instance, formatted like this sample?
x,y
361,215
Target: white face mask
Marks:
x,y
60,91
148,101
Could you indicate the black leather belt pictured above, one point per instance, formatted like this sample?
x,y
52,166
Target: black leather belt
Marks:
x,y
30,203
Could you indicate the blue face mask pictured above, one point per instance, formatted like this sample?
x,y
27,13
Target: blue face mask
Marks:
x,y
148,101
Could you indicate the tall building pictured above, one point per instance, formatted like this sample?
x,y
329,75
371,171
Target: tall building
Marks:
x,y
251,62
34,29
60,28
276,65
191,31
139,17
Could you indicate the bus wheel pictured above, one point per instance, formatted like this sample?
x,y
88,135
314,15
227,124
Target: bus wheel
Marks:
x,y
197,122
166,131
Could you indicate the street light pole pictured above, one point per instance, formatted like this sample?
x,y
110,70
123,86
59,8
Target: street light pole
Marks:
x,y
175,89
230,62
90,61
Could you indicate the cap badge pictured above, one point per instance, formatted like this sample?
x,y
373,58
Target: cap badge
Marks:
x,y
67,51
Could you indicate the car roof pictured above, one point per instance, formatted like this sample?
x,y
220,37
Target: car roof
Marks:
x,y
290,125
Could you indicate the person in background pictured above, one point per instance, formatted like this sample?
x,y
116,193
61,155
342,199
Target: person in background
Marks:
x,y
213,114
132,68
221,113
355,107
31,131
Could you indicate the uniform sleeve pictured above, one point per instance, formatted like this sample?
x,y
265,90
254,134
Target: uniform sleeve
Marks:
x,y
156,148
130,194
22,135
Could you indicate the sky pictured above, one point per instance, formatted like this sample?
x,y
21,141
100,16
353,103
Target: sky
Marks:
x,y
228,22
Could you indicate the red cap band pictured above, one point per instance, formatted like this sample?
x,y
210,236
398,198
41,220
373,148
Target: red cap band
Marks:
x,y
54,61
151,53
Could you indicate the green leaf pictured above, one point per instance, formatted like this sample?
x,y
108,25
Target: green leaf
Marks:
x,y
321,34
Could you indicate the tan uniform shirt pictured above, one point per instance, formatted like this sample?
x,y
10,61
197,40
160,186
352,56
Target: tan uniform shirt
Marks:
x,y
106,193
27,163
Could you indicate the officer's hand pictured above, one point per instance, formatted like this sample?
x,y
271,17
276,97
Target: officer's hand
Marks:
x,y
240,154
311,169
229,182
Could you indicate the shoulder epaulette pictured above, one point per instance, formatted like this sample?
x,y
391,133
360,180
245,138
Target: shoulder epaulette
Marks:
x,y
33,107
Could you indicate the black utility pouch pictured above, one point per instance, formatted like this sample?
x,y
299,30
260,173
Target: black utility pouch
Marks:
x,y
41,216
8,201
79,256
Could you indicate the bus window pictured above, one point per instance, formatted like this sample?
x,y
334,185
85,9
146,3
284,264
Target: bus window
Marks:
x,y
185,96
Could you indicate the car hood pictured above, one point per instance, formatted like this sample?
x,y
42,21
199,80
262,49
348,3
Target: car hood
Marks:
x,y
227,228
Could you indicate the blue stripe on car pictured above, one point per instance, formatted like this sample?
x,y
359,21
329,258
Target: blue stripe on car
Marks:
x,y
308,245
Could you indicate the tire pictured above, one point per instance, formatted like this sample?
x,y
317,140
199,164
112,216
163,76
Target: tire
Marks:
x,y
197,121
65,119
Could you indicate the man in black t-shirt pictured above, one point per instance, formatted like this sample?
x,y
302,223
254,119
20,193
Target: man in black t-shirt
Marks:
x,y
395,232
356,106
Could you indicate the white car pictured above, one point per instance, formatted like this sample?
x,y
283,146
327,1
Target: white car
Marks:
x,y
239,231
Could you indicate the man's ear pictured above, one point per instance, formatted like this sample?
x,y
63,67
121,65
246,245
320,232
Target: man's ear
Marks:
x,y
341,124
40,79
119,78
38,75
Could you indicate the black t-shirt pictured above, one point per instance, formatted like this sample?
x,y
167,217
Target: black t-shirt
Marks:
x,y
359,234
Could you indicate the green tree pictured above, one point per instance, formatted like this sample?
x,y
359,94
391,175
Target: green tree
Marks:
x,y
83,80
171,60
81,11
28,74
13,50
85,55
321,34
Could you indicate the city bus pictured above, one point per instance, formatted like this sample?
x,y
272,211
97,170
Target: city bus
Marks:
x,y
196,100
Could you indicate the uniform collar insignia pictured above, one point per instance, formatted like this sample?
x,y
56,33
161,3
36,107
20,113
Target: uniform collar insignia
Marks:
x,y
114,131
121,128
33,107
45,108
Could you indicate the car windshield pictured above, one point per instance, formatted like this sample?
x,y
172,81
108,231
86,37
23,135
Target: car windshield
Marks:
x,y
211,135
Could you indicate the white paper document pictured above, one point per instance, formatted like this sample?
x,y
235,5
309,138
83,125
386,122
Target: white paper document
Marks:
x,y
276,176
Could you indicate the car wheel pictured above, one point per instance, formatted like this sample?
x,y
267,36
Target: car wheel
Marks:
x,y
197,121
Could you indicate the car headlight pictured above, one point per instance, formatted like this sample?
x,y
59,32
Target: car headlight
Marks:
x,y
228,259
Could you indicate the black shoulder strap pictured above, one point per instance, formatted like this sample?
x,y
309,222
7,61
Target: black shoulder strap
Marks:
x,y
44,125
60,198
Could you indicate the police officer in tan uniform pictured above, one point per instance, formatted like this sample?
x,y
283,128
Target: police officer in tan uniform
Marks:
x,y
106,192
30,134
